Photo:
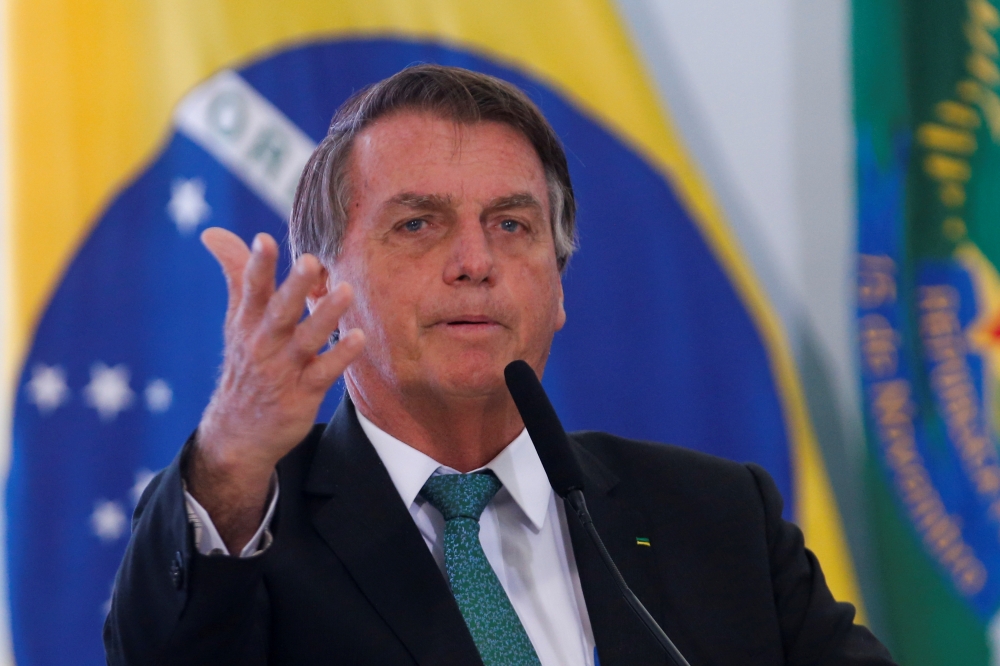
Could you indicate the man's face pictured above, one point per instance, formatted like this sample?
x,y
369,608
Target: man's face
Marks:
x,y
450,252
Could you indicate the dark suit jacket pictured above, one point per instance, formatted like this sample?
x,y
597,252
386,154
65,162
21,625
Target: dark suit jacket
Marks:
x,y
349,580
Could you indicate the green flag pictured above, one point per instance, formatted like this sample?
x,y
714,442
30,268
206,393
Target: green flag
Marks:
x,y
927,115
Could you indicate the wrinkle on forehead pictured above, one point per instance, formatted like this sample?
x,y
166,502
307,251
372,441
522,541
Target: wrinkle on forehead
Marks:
x,y
458,126
384,137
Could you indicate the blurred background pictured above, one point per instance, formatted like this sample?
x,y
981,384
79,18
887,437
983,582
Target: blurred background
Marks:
x,y
789,225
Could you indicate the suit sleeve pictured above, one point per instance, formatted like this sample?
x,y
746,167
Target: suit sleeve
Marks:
x,y
815,628
172,605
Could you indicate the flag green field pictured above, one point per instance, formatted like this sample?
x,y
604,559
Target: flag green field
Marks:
x,y
927,118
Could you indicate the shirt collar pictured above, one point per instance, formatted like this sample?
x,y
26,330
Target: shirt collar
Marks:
x,y
517,466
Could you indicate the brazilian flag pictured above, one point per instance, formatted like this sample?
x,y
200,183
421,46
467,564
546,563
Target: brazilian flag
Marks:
x,y
928,167
134,125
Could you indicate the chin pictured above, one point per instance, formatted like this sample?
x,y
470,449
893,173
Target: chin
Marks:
x,y
471,377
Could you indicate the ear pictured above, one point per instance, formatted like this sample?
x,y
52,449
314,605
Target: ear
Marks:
x,y
319,290
561,315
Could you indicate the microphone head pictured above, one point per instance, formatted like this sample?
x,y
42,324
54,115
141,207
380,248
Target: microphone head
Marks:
x,y
543,426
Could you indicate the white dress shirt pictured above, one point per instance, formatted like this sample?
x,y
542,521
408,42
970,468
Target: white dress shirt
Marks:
x,y
523,532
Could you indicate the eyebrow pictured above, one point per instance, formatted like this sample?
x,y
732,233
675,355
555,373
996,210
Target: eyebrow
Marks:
x,y
420,201
438,202
518,200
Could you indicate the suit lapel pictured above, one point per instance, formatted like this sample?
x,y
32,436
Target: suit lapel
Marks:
x,y
620,636
362,518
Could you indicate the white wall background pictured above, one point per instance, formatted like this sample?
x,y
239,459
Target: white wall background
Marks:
x,y
761,91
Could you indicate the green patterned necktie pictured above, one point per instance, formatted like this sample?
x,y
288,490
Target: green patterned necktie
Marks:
x,y
495,627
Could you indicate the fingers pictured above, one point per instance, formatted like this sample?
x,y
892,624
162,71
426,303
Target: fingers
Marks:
x,y
313,333
288,302
258,277
232,254
227,248
330,365
273,315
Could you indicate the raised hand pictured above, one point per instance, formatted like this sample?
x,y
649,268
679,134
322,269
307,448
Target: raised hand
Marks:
x,y
273,378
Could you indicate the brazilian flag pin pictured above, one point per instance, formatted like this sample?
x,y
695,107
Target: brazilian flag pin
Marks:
x,y
642,541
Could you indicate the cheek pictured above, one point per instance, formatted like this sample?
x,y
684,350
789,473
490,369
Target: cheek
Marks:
x,y
541,301
363,312
386,304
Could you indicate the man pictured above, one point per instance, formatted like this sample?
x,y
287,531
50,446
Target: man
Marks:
x,y
430,230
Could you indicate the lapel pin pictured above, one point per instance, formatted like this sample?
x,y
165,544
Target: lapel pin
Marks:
x,y
642,541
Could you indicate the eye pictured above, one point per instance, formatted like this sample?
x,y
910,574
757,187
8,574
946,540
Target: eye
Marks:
x,y
414,225
510,225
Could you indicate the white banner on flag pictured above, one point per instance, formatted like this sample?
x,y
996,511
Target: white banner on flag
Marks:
x,y
238,126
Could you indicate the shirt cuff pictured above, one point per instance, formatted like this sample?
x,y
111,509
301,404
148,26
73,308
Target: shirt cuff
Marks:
x,y
206,538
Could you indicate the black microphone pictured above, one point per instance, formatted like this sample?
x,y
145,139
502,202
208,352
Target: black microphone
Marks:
x,y
566,479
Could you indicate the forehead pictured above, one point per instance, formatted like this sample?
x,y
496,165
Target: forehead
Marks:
x,y
424,152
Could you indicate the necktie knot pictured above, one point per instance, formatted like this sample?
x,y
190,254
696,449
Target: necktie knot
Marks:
x,y
461,495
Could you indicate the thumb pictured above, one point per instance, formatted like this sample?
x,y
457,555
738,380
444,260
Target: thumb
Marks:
x,y
232,254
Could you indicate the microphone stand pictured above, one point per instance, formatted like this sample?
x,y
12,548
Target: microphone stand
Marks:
x,y
566,479
575,500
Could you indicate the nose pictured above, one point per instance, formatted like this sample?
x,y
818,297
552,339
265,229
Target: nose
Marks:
x,y
471,257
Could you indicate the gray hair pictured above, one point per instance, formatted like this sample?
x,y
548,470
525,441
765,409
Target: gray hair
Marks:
x,y
319,212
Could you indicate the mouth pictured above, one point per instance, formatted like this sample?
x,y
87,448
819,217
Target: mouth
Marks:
x,y
470,324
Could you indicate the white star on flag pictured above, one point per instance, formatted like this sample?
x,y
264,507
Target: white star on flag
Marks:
x,y
159,395
47,387
108,520
142,479
108,391
187,204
